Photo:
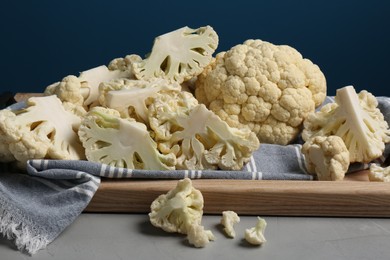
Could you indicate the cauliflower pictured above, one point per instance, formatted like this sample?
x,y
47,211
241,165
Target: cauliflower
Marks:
x,y
131,97
356,119
84,90
255,235
118,142
181,210
327,157
378,173
178,55
198,236
44,128
199,138
267,87
5,153
229,218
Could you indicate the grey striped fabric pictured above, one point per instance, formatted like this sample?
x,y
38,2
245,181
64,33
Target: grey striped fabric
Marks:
x,y
36,207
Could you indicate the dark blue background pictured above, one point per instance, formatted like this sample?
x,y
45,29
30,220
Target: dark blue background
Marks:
x,y
43,41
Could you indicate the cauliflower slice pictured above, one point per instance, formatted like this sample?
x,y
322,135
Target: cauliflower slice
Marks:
x,y
181,210
270,88
118,142
255,235
378,173
327,157
45,128
178,55
132,97
84,90
356,119
229,219
199,138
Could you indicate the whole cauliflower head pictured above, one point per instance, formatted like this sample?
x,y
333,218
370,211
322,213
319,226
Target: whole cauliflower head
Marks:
x,y
327,157
267,87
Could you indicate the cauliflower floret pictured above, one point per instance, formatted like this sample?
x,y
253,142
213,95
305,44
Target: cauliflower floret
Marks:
x,y
255,235
178,55
199,138
132,97
45,128
198,236
119,142
327,157
5,153
84,90
228,220
356,119
378,173
267,87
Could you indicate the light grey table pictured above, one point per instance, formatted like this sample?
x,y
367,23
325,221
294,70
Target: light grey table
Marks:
x,y
131,236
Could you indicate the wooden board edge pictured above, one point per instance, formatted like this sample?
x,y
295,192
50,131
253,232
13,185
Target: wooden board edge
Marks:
x,y
282,198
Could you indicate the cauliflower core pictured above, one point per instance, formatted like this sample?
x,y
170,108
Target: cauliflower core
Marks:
x,y
267,87
181,210
327,157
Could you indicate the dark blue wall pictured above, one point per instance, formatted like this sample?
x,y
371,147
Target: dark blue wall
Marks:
x,y
43,41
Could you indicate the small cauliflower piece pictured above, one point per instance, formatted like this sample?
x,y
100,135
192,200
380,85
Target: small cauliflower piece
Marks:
x,y
132,97
198,236
229,219
267,87
255,235
178,55
44,128
378,173
198,137
119,142
356,119
327,157
84,90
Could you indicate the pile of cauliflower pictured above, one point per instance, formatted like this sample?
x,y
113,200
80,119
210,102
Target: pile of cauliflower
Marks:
x,y
180,107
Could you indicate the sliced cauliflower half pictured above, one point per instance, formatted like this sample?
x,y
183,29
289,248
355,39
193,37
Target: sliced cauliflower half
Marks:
x,y
270,88
178,55
356,119
378,173
84,90
327,157
132,97
44,128
118,142
198,137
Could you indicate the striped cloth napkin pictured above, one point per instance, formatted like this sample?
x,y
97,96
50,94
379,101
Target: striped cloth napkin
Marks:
x,y
37,205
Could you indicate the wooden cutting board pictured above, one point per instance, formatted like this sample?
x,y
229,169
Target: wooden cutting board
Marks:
x,y
355,196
